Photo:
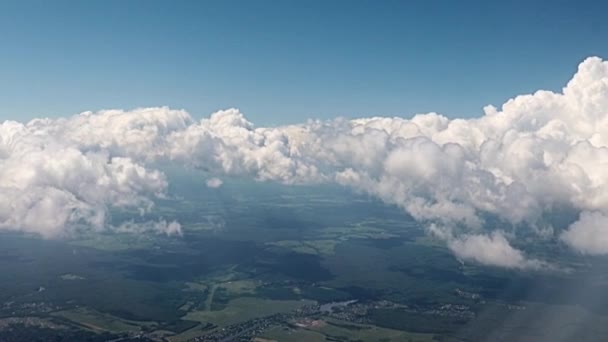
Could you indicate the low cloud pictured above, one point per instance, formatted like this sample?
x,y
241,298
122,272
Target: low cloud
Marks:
x,y
514,164
493,250
588,235
159,227
214,183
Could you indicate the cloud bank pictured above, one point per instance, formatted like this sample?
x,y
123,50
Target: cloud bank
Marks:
x,y
471,179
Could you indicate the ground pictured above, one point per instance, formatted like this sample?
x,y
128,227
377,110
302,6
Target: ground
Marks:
x,y
252,251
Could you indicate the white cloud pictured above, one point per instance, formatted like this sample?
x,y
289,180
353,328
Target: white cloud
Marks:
x,y
214,183
493,250
159,227
588,235
50,186
515,163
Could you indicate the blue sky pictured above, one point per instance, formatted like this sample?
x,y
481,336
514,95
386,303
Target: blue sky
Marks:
x,y
286,61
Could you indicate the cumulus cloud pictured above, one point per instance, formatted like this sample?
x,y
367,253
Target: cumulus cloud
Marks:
x,y
214,182
492,249
514,164
49,186
588,235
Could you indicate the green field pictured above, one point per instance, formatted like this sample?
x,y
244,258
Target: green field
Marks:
x,y
98,321
243,309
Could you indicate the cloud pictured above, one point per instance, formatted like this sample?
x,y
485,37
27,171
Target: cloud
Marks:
x,y
493,250
512,165
50,186
159,227
214,182
588,235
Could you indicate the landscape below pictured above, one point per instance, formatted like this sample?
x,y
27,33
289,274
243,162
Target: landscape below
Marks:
x,y
265,262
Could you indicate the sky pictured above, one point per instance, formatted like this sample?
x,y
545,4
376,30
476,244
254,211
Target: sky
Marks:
x,y
283,62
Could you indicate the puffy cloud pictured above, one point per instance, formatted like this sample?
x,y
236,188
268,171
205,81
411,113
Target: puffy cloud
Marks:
x,y
214,182
52,186
513,165
588,235
492,249
537,152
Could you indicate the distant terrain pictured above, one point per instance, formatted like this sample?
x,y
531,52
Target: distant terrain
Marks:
x,y
265,262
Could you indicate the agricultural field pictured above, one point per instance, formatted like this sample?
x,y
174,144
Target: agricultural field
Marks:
x,y
262,258
326,329
244,309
